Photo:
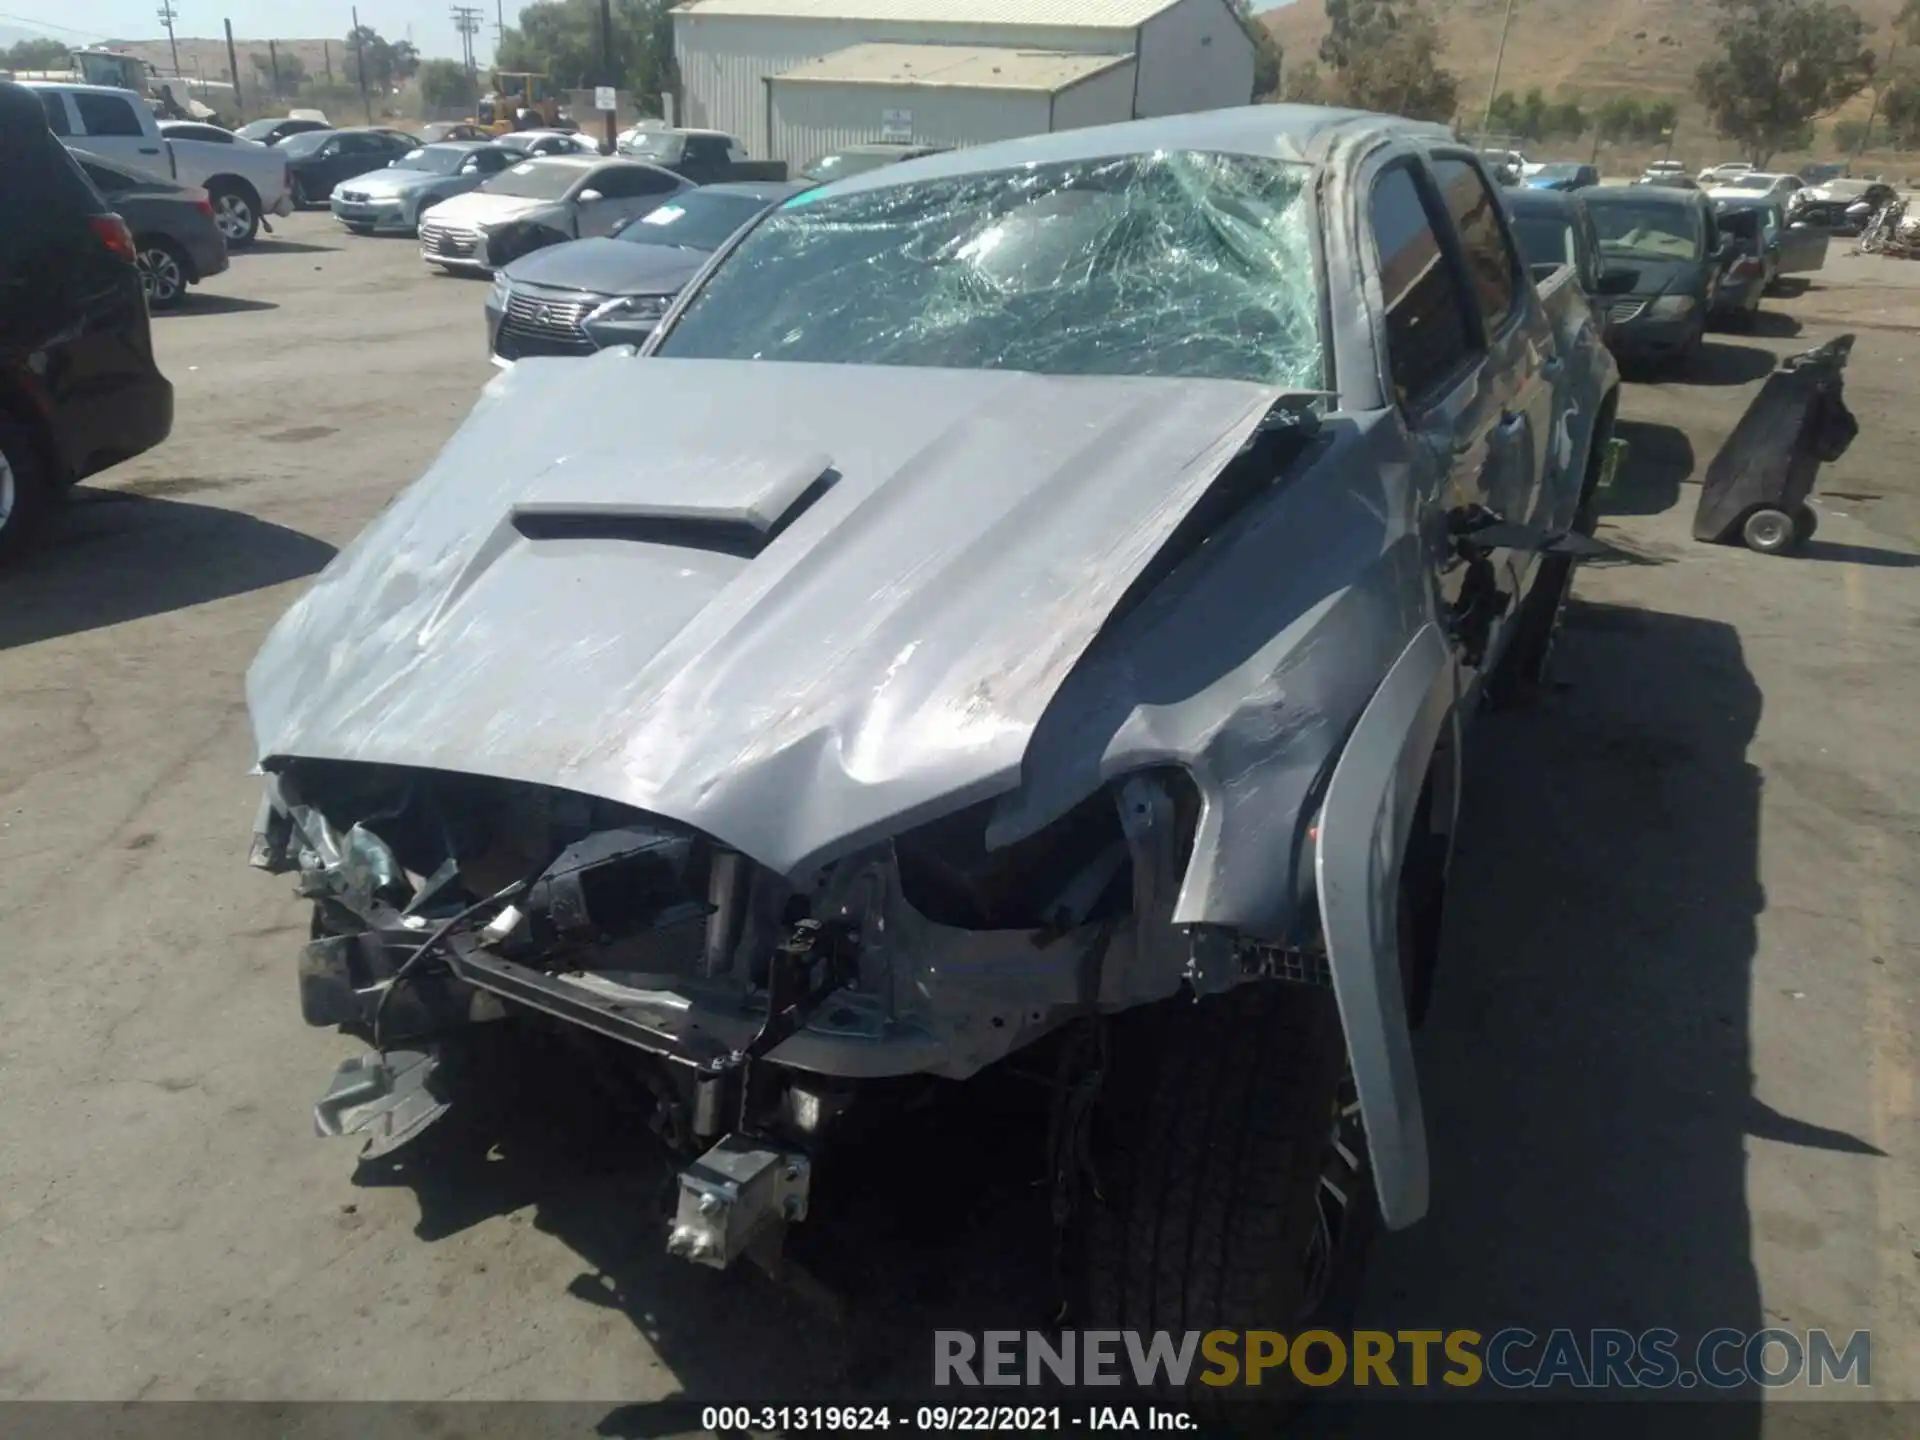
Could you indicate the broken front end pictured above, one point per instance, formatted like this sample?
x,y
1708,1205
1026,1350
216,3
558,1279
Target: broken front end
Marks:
x,y
752,1007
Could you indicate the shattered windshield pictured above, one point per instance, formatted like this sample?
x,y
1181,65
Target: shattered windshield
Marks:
x,y
1650,231
1172,264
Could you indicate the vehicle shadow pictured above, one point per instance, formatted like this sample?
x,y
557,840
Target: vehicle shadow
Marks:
x,y
1722,363
109,556
268,245
1857,555
1586,1071
1660,460
1773,325
201,302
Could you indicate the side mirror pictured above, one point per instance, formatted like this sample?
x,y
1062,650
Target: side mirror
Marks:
x,y
1617,280
589,197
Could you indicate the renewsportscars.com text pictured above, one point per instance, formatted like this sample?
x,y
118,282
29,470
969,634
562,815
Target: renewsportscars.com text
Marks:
x,y
1509,1359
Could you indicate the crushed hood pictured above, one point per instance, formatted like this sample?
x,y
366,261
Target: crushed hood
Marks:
x,y
476,207
798,607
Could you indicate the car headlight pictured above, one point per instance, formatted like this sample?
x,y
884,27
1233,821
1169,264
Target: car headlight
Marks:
x,y
1671,307
630,309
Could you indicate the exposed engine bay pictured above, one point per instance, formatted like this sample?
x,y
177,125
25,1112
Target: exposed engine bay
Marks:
x,y
752,1006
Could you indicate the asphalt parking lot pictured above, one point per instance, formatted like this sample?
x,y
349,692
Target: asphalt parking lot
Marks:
x,y
1669,1078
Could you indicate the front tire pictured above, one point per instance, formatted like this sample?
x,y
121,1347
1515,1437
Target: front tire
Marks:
x,y
26,489
236,210
1239,1195
163,273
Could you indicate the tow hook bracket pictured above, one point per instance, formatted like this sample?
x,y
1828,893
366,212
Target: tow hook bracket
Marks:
x,y
739,1196
388,1098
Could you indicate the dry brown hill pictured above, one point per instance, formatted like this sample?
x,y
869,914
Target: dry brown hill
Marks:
x,y
1587,48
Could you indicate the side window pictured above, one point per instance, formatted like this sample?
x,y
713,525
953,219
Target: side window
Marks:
x,y
55,104
106,115
1490,261
107,182
492,162
1427,335
629,182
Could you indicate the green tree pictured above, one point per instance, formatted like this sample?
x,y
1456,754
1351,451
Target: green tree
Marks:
x,y
1784,62
1304,83
445,83
292,72
1567,120
1662,116
1620,117
380,56
1386,55
35,55
561,38
1266,52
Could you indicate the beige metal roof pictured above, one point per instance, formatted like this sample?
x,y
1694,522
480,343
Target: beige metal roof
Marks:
x,y
1052,14
971,67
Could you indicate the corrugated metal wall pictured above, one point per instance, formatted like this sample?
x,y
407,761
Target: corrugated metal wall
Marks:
x,y
1105,99
1194,57
725,61
811,118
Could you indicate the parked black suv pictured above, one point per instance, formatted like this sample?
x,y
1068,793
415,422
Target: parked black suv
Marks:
x,y
79,390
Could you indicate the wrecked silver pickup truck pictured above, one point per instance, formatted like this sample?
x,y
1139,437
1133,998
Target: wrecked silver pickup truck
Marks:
x,y
1024,597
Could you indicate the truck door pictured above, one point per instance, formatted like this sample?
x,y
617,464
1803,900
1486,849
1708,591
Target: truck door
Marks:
x,y
110,127
1523,360
1447,392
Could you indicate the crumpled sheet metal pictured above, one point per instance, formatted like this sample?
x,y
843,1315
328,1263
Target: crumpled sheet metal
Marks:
x,y
884,660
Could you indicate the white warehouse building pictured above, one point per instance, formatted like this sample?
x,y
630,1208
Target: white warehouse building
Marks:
x,y
793,79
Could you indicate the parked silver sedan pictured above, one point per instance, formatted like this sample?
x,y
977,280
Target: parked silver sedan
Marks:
x,y
395,198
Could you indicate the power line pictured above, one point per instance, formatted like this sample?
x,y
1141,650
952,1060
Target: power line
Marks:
x,y
49,25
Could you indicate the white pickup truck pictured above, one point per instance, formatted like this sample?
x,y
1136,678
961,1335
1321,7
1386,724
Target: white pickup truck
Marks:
x,y
244,180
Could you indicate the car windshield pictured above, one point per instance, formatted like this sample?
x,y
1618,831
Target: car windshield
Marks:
x,y
843,163
305,143
1753,182
655,145
256,130
1558,172
1653,232
1171,264
697,220
434,159
1545,239
535,180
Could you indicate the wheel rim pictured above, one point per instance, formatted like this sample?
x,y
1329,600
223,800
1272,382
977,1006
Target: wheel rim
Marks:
x,y
234,216
1333,1198
160,272
7,490
1769,531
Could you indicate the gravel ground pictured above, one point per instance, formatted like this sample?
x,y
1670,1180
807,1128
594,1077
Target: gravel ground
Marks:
x,y
1669,1076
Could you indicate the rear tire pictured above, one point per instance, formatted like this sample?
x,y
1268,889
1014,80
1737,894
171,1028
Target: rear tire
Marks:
x,y
236,210
26,489
1806,520
163,272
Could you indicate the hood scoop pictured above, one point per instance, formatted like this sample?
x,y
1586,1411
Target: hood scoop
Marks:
x,y
735,504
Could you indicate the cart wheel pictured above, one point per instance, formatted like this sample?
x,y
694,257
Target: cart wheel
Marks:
x,y
1769,531
1806,520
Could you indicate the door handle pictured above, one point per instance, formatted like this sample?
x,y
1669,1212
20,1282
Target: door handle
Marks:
x,y
149,149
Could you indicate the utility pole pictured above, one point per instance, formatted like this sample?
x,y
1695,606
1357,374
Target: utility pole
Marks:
x,y
608,75
499,27
326,58
466,19
233,63
273,64
360,64
1499,59
167,16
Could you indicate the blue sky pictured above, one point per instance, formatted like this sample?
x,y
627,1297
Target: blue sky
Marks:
x,y
87,20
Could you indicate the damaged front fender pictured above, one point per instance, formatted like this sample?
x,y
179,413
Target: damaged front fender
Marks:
x,y
1364,827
